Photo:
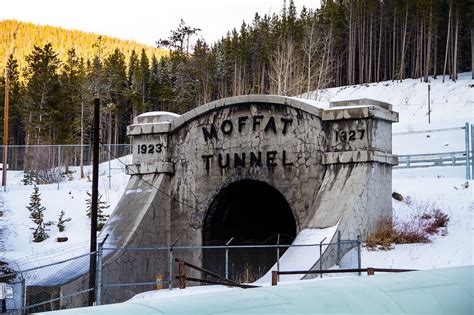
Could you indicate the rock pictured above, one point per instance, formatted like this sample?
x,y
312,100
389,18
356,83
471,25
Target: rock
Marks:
x,y
397,196
61,239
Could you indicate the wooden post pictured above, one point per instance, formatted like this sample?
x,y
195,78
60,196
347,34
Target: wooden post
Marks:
x,y
182,275
370,271
274,277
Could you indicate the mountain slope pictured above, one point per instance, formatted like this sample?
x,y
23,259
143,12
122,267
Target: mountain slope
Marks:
x,y
19,38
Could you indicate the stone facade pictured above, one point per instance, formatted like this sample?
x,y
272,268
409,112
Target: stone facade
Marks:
x,y
332,166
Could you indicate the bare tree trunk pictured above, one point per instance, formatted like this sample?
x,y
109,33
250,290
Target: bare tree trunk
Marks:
x,y
447,38
455,54
351,49
472,51
402,62
393,47
235,78
81,165
309,46
369,75
435,61
116,134
428,48
380,47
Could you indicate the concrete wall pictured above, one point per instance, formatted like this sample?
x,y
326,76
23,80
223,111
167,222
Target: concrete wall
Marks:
x,y
333,167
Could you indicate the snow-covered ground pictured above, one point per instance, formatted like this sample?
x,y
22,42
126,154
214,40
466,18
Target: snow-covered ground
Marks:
x,y
452,105
19,250
450,101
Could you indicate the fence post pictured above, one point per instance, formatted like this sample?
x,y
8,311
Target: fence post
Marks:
x,y
98,290
338,257
472,151
468,168
359,258
59,164
274,278
110,167
23,293
170,266
227,258
278,254
182,275
321,257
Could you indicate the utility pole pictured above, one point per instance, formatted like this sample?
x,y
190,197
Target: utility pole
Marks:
x,y
5,130
94,197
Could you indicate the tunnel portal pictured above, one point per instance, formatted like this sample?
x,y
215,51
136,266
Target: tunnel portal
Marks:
x,y
248,212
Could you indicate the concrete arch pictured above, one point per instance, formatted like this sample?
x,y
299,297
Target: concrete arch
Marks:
x,y
332,166
271,208
245,99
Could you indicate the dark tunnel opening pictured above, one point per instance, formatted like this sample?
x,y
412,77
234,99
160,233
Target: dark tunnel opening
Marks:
x,y
248,212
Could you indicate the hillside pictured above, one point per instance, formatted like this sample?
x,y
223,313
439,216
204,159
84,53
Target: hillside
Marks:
x,y
19,38
447,186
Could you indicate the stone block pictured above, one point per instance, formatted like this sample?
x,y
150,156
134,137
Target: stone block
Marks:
x,y
361,101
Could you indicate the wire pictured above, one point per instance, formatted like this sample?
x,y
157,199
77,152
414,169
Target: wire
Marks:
x,y
148,183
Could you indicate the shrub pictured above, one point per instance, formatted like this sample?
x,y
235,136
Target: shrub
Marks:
x,y
415,229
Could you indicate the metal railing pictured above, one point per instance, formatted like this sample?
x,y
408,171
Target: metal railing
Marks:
x,y
63,284
456,158
370,272
433,159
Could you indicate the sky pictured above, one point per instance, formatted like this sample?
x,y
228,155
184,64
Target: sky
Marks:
x,y
144,21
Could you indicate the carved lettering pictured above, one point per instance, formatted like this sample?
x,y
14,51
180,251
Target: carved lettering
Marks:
x,y
271,156
227,161
256,160
207,162
227,127
271,125
242,120
286,122
256,121
239,161
209,135
285,163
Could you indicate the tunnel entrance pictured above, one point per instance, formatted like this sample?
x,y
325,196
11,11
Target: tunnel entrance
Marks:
x,y
248,212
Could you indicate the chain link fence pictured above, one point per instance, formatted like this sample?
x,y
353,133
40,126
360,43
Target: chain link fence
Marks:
x,y
41,288
47,164
122,273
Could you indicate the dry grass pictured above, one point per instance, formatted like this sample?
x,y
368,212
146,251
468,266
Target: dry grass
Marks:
x,y
417,229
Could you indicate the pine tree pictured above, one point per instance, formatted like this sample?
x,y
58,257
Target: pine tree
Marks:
x,y
143,80
101,206
72,90
35,207
153,84
62,221
42,96
37,216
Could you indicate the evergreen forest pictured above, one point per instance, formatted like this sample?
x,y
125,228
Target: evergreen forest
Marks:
x,y
344,42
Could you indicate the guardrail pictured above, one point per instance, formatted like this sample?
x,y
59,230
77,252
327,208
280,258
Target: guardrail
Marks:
x,y
432,159
456,158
